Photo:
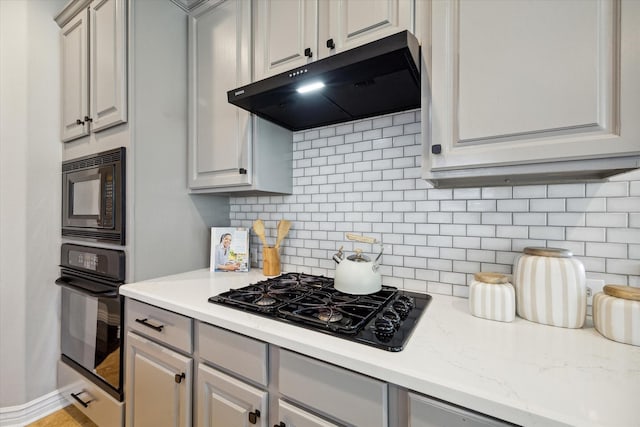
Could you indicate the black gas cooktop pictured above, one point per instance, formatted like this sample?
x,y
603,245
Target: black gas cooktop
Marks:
x,y
384,319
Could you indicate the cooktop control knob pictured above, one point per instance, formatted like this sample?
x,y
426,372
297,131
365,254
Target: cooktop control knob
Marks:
x,y
391,315
384,329
402,308
408,300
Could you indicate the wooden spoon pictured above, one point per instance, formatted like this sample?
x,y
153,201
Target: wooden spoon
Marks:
x,y
258,227
283,229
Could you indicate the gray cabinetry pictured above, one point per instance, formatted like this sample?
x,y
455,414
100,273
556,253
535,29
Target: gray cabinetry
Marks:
x,y
427,412
159,379
529,101
93,65
229,149
333,392
232,379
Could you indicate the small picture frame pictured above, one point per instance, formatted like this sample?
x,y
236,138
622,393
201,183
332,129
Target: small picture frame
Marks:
x,y
229,249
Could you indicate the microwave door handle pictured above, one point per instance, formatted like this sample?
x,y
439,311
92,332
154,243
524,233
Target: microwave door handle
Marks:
x,y
68,283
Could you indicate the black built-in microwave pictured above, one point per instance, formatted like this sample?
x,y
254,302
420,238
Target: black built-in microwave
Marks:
x,y
93,197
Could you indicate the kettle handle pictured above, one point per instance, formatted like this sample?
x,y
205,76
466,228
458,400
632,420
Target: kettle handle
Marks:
x,y
361,239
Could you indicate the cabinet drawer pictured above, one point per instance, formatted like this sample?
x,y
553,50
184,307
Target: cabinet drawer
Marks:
x,y
103,409
234,352
333,391
161,325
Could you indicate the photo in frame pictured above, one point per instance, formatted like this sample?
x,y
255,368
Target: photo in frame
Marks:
x,y
229,249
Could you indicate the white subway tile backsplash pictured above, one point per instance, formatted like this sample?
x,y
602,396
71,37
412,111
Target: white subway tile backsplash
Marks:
x,y
530,192
566,190
606,250
627,204
365,177
596,204
497,193
608,189
608,219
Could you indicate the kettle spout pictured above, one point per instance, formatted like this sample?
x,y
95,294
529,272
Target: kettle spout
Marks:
x,y
338,256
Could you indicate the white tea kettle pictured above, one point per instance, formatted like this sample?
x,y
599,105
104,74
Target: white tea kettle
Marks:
x,y
357,274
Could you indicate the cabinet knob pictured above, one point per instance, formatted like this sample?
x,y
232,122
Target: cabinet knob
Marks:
x,y
88,119
308,53
179,377
242,171
331,44
79,122
436,149
253,416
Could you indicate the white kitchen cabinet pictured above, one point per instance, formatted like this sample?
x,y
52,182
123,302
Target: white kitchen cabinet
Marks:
x,y
532,91
428,412
290,34
225,401
158,384
94,66
229,149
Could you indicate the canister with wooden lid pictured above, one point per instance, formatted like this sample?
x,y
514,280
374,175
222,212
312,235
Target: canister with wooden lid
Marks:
x,y
550,287
492,297
616,313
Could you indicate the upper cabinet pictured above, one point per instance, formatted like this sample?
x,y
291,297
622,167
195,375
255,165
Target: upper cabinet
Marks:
x,y
532,91
94,66
291,33
229,150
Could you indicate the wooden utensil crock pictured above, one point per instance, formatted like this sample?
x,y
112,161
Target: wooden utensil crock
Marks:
x,y
270,261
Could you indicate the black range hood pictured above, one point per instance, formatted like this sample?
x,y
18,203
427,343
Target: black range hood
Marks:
x,y
377,78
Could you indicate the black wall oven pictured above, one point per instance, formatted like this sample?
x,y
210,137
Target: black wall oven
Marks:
x,y
93,197
92,321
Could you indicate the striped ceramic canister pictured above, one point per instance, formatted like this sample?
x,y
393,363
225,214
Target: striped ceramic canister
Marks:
x,y
492,297
550,287
616,316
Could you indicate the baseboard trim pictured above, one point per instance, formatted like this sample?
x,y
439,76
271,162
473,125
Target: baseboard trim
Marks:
x,y
21,415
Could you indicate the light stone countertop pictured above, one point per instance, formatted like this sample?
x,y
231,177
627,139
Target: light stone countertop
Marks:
x,y
522,372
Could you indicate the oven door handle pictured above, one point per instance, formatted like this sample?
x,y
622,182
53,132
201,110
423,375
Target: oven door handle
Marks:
x,y
93,289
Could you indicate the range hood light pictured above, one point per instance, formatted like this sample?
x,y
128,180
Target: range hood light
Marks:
x,y
310,87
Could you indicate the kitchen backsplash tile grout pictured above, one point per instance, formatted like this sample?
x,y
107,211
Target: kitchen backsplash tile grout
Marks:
x,y
364,177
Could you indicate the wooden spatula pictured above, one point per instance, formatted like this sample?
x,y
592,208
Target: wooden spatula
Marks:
x,y
258,227
283,229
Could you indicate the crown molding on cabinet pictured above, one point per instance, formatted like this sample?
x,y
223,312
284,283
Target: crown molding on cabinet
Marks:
x,y
187,5
70,10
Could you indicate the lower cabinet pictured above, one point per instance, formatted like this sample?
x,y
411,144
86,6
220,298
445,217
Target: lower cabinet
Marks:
x,y
241,381
225,401
428,412
332,392
158,386
292,416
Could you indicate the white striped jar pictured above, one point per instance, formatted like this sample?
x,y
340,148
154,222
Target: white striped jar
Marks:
x,y
550,287
616,313
492,297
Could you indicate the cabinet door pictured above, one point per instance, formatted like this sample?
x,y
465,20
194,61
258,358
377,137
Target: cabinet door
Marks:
x,y
219,60
355,22
285,29
74,96
426,412
108,63
158,385
526,82
292,416
225,401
